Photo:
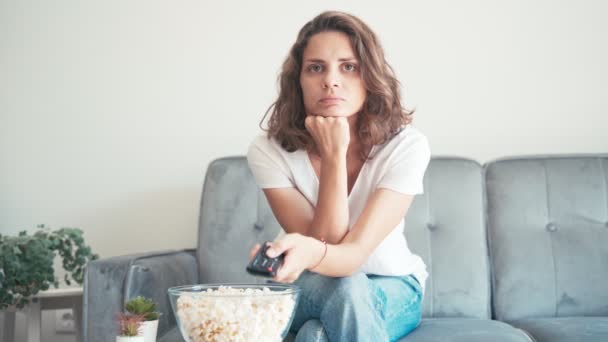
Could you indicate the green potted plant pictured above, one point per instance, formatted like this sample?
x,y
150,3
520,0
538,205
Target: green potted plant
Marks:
x,y
26,263
129,327
147,308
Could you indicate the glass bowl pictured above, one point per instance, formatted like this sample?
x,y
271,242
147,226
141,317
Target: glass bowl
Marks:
x,y
234,312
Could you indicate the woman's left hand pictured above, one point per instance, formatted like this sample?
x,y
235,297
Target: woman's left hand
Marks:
x,y
300,253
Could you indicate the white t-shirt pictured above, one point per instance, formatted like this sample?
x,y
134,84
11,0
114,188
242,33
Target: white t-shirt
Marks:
x,y
398,165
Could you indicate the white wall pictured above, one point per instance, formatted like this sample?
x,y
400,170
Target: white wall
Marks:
x,y
110,111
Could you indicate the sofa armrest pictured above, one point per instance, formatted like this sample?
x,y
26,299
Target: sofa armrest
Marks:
x,y
109,283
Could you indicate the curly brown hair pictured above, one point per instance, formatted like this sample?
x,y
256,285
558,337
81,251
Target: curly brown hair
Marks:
x,y
381,115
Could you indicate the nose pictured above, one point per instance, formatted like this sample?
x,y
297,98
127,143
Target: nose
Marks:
x,y
331,79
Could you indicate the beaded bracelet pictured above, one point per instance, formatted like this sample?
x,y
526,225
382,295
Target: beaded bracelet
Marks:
x,y
324,253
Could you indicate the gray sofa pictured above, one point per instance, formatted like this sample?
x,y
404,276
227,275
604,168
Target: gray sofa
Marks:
x,y
517,250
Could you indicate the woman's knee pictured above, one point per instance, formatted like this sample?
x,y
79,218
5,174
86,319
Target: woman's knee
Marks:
x,y
322,293
350,288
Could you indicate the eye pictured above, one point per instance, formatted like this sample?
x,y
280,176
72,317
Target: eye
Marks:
x,y
350,67
315,68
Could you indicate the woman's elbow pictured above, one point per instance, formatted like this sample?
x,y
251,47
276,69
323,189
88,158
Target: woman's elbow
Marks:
x,y
336,237
330,232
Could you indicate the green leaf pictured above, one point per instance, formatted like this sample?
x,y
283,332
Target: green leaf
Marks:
x,y
142,306
26,262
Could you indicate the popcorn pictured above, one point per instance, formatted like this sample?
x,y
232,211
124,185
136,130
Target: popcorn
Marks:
x,y
235,314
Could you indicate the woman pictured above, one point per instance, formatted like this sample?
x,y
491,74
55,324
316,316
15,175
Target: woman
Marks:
x,y
340,165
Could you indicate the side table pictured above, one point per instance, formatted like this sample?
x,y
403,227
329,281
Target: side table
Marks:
x,y
52,299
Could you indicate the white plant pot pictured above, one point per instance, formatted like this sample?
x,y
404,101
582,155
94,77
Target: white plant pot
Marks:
x,y
148,329
129,338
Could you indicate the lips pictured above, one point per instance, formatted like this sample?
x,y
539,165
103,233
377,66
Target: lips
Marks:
x,y
328,100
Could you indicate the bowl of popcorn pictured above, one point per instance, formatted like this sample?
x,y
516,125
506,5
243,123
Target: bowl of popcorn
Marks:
x,y
234,312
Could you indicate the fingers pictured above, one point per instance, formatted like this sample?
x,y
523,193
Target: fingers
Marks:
x,y
280,246
284,270
308,120
286,274
289,279
322,118
318,123
289,270
253,251
315,122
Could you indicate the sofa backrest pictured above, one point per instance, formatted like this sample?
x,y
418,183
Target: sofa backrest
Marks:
x,y
548,236
234,215
445,226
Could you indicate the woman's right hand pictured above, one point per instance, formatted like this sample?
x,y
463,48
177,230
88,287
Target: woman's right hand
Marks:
x,y
331,135
300,253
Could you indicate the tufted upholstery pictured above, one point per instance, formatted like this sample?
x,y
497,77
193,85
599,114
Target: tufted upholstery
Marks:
x,y
548,232
548,228
447,229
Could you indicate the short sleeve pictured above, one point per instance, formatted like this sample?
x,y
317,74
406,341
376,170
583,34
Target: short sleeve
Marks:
x,y
406,167
268,165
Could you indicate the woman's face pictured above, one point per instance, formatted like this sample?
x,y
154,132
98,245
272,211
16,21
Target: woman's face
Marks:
x,y
330,78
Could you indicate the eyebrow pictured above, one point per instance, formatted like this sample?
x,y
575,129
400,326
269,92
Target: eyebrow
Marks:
x,y
316,60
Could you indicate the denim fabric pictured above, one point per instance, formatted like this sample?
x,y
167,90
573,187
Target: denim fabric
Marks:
x,y
356,308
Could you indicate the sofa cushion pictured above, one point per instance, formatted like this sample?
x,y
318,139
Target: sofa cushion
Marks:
x,y
566,329
548,236
446,227
465,330
437,330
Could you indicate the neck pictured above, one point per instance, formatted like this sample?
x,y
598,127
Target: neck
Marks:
x,y
352,123
354,147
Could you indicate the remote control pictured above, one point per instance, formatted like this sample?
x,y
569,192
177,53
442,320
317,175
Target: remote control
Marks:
x,y
263,265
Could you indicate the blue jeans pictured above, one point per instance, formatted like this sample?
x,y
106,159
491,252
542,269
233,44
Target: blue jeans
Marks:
x,y
356,308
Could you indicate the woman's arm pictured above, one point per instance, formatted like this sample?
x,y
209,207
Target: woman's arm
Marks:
x,y
291,209
382,213
329,220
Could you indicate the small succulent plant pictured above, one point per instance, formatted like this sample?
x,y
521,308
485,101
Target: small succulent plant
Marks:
x,y
128,324
142,306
